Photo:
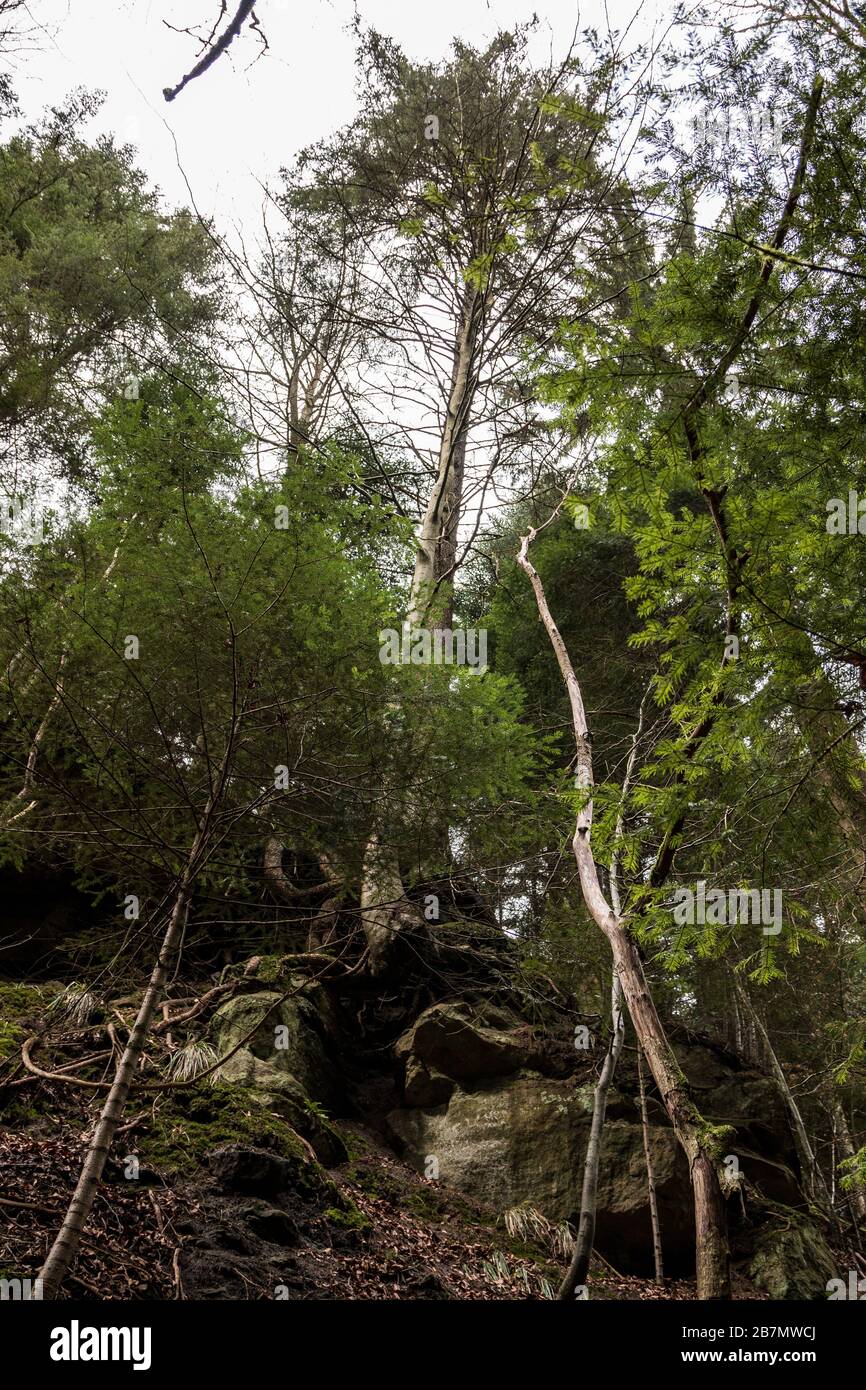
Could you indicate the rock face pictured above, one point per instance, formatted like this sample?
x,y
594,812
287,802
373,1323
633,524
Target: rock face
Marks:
x,y
501,1110
294,1039
524,1139
476,1104
465,1043
501,1142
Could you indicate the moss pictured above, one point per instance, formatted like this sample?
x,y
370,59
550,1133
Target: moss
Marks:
x,y
357,1147
348,1216
715,1139
425,1204
375,1182
270,969
18,1003
187,1124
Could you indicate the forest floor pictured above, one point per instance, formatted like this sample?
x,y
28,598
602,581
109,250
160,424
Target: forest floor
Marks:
x,y
175,1220
400,1236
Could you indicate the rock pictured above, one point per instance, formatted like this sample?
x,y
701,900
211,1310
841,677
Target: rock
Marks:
x,y
425,1086
792,1259
287,1070
298,1049
502,1144
280,1092
516,1139
236,1168
524,1140
465,1043
270,1223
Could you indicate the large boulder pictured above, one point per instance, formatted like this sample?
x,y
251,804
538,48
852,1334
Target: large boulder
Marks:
x,y
464,1043
289,1035
286,1064
502,1144
506,1135
524,1140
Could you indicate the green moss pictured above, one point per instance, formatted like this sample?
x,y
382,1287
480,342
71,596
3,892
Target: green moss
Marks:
x,y
424,1204
18,1003
349,1216
715,1139
357,1147
270,969
187,1124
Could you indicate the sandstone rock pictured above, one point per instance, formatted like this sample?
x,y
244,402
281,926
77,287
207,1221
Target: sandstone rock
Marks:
x,y
503,1144
465,1043
424,1085
301,1052
281,1092
523,1139
284,1078
792,1259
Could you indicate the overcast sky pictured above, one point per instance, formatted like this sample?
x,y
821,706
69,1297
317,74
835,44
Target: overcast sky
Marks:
x,y
238,123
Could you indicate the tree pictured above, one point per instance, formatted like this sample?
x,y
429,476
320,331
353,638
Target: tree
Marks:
x,y
479,191
96,282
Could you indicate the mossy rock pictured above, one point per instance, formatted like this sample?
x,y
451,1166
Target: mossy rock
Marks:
x,y
279,1091
20,1004
189,1124
792,1259
287,1035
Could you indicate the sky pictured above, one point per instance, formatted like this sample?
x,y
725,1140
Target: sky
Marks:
x,y
229,131
233,128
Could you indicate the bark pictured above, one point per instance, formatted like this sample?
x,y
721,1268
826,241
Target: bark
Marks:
x,y
281,887
14,809
816,1187
856,1196
436,552
698,1140
385,910
214,49
650,1175
66,1242
579,1267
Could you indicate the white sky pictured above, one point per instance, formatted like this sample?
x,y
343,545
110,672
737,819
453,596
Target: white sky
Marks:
x,y
238,123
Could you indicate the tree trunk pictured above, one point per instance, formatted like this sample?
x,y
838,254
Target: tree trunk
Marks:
x,y
66,1242
579,1267
855,1195
650,1174
63,1250
436,550
385,909
700,1142
816,1187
